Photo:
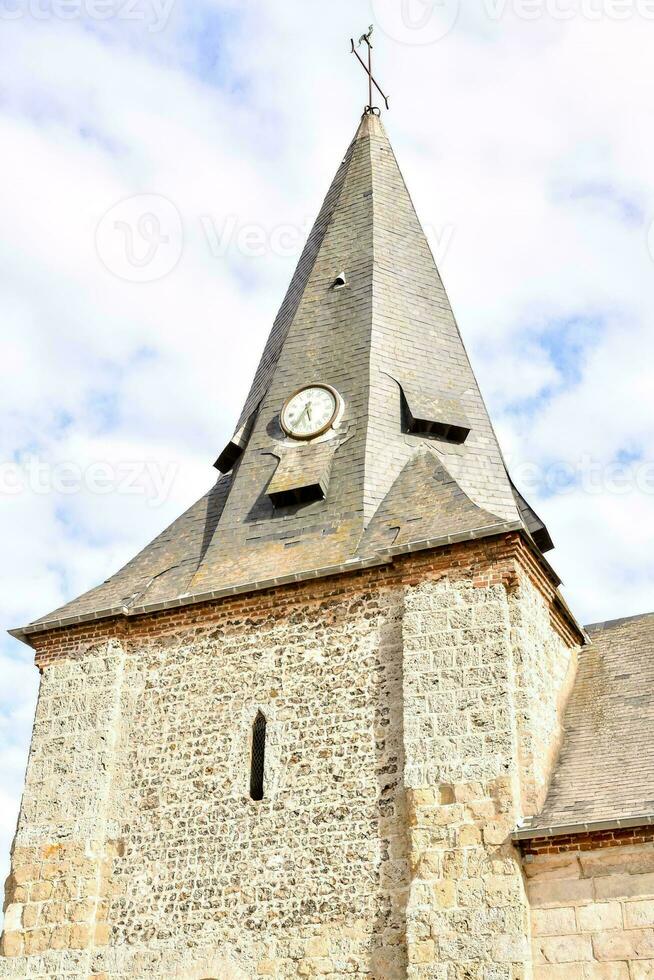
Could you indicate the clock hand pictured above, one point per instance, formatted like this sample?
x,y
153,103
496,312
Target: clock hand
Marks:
x,y
308,410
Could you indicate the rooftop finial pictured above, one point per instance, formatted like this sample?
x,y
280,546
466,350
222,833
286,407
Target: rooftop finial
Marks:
x,y
368,69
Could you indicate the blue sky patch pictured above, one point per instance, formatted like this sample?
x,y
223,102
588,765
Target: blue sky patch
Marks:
x,y
603,196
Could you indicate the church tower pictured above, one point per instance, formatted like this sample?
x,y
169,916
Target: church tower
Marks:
x,y
295,735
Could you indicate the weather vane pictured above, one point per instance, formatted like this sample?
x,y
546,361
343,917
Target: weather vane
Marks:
x,y
368,69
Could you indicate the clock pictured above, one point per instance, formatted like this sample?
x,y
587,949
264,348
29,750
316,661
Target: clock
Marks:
x,y
310,411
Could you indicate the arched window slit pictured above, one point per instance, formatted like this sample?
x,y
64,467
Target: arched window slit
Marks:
x,y
258,760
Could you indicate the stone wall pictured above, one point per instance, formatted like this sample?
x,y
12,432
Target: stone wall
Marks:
x,y
593,909
58,892
544,674
477,661
382,846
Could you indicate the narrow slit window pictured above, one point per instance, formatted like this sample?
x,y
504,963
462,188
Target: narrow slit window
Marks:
x,y
258,760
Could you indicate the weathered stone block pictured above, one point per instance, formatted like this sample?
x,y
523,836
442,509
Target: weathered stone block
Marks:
x,y
13,917
315,967
80,936
568,971
423,952
101,934
60,938
553,922
52,913
606,971
470,892
628,944
564,891
31,914
429,865
12,943
481,810
40,891
599,916
469,836
643,970
565,949
468,792
510,948
624,886
37,941
497,832
23,874
639,914
626,859
502,890
445,894
545,867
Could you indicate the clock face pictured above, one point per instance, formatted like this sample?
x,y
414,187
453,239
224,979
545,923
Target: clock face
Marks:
x,y
309,412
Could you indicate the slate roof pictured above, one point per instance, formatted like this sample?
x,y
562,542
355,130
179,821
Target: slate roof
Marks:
x,y
391,328
605,771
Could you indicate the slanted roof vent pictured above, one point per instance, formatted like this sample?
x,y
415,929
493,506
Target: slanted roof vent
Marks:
x,y
234,448
302,474
340,281
429,413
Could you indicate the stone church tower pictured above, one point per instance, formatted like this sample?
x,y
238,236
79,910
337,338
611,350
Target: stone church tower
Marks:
x,y
310,729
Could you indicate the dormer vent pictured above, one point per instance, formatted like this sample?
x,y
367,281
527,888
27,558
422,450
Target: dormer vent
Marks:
x,y
426,412
302,474
340,281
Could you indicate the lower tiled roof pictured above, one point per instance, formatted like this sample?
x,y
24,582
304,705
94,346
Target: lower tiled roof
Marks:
x,y
605,771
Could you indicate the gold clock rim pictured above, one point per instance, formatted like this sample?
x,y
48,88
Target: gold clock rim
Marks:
x,y
319,432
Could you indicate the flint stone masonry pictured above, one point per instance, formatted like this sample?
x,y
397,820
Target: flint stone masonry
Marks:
x,y
382,847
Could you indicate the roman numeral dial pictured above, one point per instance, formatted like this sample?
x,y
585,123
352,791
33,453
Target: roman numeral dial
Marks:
x,y
310,411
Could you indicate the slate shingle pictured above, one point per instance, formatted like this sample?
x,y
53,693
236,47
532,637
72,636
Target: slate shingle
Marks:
x,y
605,771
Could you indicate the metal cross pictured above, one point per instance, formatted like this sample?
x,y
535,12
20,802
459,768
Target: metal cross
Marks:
x,y
368,69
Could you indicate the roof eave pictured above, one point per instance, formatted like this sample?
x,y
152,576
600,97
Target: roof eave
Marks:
x,y
584,827
383,557
559,600
380,558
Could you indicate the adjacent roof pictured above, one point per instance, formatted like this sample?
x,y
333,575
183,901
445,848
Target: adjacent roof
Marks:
x,y
387,334
605,772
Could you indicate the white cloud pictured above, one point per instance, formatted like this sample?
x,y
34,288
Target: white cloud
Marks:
x,y
238,116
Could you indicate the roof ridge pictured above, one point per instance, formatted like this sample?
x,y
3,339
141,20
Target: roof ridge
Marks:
x,y
291,302
611,623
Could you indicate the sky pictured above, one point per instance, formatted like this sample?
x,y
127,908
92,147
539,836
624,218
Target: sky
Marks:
x,y
162,162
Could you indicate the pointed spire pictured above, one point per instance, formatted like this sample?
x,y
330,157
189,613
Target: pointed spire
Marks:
x,y
408,459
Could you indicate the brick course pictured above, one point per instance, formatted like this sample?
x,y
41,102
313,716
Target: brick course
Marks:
x,y
588,840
